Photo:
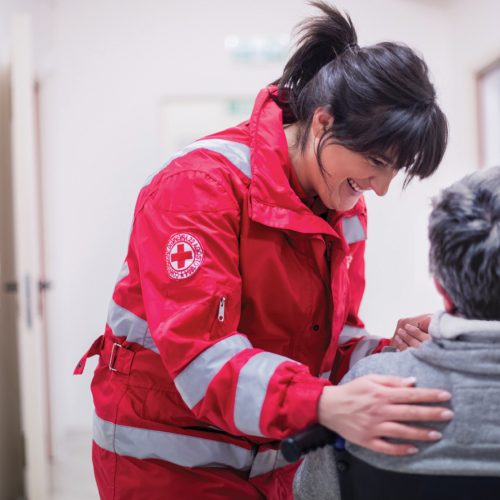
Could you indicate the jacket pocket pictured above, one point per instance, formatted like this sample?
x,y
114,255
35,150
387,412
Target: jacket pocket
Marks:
x,y
225,314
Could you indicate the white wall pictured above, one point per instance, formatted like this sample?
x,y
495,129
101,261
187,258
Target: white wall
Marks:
x,y
110,65
13,449
476,44
489,105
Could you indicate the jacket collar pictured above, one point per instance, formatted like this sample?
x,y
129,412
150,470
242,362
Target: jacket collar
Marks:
x,y
273,202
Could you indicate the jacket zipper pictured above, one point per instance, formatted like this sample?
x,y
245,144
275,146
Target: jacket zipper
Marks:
x,y
222,309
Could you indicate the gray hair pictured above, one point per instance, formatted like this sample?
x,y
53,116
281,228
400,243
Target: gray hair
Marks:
x,y
464,232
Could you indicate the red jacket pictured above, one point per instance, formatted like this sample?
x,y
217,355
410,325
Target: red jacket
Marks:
x,y
234,298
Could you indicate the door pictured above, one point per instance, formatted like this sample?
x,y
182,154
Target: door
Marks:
x,y
27,238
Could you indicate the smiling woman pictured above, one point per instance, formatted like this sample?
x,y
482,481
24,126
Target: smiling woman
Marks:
x,y
376,101
337,175
237,306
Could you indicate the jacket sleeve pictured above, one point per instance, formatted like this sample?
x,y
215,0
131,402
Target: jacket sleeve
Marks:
x,y
186,241
355,342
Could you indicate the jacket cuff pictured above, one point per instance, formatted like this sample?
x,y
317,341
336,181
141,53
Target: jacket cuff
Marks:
x,y
296,408
304,394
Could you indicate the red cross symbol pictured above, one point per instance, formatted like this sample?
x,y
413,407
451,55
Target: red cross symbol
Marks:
x,y
181,256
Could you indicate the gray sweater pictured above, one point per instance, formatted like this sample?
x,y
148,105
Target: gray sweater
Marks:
x,y
463,357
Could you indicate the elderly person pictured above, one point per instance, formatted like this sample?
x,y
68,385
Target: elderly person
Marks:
x,y
463,355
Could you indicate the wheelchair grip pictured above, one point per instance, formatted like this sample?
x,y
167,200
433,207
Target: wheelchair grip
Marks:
x,y
305,441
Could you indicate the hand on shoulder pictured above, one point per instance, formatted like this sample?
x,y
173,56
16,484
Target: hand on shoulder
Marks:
x,y
373,407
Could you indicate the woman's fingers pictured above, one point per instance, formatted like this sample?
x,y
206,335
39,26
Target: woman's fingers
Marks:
x,y
373,407
390,380
409,336
416,395
424,321
401,400
400,390
407,432
400,431
407,339
381,446
416,413
421,322
399,343
416,333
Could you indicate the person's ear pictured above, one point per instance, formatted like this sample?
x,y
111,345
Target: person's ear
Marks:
x,y
449,307
321,121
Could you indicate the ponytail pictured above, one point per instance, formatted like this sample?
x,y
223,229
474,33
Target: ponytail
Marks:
x,y
321,40
380,96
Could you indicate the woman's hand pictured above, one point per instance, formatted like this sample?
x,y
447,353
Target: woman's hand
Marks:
x,y
411,332
371,408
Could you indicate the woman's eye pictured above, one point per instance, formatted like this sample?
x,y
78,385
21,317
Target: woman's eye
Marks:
x,y
377,162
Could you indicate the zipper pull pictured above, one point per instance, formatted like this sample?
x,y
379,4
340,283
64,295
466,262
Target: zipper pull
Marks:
x,y
222,309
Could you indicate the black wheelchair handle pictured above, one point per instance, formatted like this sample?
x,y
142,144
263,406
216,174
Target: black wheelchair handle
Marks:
x,y
305,441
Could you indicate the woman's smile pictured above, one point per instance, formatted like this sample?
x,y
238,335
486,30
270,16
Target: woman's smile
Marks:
x,y
355,186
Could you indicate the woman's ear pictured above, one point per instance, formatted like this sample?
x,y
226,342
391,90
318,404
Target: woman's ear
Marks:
x,y
449,307
321,121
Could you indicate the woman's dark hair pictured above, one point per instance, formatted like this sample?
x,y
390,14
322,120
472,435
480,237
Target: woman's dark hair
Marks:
x,y
380,96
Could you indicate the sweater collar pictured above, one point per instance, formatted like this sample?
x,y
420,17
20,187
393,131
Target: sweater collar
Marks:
x,y
446,326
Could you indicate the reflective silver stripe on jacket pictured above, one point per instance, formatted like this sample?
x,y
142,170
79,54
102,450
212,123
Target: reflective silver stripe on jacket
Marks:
x,y
363,348
351,332
326,375
126,324
182,450
251,390
238,154
353,229
266,461
124,272
235,152
192,383
186,451
365,345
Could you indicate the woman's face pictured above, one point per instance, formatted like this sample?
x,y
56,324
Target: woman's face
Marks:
x,y
345,176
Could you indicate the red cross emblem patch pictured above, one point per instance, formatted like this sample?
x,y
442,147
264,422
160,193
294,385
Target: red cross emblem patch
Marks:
x,y
184,255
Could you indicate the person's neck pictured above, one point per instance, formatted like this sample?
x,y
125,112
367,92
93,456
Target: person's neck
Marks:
x,y
297,157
